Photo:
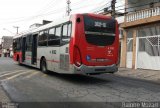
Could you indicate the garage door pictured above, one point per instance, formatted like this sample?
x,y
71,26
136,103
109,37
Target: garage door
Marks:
x,y
148,54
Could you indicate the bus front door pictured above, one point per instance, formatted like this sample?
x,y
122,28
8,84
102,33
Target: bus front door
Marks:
x,y
23,48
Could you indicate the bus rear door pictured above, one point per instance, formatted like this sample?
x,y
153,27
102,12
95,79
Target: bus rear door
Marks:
x,y
34,48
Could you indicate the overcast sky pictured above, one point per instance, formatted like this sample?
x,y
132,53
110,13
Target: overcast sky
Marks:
x,y
23,13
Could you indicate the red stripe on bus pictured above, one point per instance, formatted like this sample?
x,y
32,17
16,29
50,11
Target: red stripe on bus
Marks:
x,y
28,58
50,61
53,61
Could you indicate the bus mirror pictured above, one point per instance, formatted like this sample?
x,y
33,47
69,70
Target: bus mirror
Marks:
x,y
78,20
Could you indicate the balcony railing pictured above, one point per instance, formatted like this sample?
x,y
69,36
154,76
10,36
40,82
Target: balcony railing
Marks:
x,y
143,14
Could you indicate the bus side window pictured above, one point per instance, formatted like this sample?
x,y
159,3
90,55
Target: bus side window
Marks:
x,y
40,39
57,35
69,30
51,37
43,35
66,33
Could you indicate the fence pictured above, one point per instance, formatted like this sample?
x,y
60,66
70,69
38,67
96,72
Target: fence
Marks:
x,y
143,14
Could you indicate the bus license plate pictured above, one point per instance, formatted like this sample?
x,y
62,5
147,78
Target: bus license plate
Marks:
x,y
100,60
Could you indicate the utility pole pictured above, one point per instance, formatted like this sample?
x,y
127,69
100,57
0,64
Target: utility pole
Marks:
x,y
113,11
16,28
68,10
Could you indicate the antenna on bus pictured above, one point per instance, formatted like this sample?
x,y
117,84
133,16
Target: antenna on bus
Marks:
x,y
68,10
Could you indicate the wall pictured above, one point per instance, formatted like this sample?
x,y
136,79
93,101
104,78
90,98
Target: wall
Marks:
x,y
128,54
140,4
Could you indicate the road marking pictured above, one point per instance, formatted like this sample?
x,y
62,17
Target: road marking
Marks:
x,y
32,74
10,73
44,75
14,76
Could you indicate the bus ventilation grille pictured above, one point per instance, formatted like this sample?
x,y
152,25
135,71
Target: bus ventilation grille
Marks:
x,y
64,62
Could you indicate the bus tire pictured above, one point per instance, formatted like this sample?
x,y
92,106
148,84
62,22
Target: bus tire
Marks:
x,y
44,66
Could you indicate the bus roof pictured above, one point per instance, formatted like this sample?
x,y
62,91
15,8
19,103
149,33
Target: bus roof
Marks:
x,y
54,23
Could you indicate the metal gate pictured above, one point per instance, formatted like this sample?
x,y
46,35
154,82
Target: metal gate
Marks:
x,y
148,54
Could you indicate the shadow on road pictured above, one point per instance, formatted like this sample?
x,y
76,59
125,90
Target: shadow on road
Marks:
x,y
99,79
73,78
79,79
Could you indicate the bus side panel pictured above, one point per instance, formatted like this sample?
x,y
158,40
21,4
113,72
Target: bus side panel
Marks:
x,y
17,56
28,56
53,58
41,52
65,66
49,58
51,55
117,43
39,55
75,37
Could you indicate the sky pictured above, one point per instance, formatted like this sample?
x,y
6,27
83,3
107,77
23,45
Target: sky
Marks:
x,y
23,13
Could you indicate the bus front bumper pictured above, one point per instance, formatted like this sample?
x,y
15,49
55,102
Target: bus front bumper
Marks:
x,y
83,69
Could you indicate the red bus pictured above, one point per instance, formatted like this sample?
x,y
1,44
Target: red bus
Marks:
x,y
79,44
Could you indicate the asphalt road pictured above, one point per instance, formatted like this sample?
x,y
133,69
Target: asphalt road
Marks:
x,y
28,85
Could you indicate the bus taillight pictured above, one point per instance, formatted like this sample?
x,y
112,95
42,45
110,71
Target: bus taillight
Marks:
x,y
77,57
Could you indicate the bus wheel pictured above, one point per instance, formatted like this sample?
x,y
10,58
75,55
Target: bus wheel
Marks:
x,y
44,66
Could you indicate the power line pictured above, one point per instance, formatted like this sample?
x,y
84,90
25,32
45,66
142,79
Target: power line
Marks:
x,y
83,6
101,7
41,15
8,31
128,7
60,10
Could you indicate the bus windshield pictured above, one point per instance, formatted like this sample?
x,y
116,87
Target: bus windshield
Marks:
x,y
98,31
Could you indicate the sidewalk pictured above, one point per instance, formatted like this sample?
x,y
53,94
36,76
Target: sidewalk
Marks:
x,y
140,74
3,96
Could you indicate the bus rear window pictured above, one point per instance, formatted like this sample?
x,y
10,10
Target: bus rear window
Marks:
x,y
99,31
